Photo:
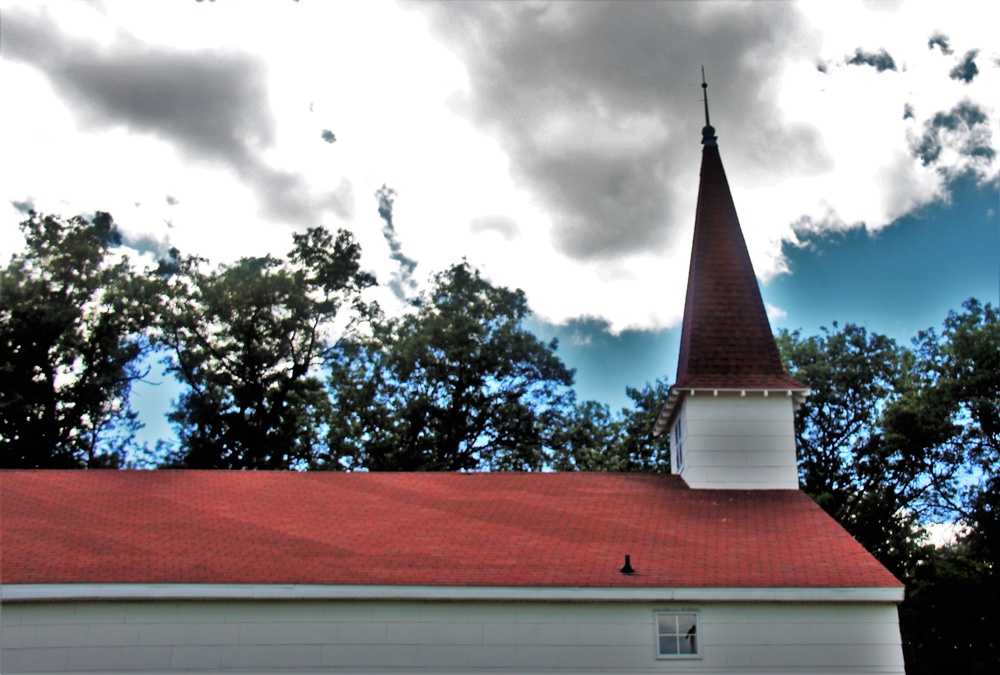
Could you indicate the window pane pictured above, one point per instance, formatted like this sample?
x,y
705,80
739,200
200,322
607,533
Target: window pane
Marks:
x,y
668,623
668,645
688,644
686,623
688,629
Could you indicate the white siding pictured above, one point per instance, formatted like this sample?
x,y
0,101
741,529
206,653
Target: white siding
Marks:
x,y
737,442
425,637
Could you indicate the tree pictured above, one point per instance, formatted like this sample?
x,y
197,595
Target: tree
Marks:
x,y
249,341
590,438
585,438
644,452
71,322
949,618
962,368
459,384
960,371
873,484
893,438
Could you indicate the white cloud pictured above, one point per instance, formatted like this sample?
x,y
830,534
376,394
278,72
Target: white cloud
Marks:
x,y
944,534
561,164
874,177
774,313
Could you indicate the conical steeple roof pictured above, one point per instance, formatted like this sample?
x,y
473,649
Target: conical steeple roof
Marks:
x,y
726,339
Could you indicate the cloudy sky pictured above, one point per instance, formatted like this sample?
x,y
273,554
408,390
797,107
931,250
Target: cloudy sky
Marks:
x,y
554,145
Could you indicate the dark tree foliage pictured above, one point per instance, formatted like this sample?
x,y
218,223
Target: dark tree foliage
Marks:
x,y
846,463
949,620
71,318
591,438
459,384
249,341
584,439
894,438
962,368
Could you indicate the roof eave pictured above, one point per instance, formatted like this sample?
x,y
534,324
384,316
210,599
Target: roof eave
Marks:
x,y
676,394
186,592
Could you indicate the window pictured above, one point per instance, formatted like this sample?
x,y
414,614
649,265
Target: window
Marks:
x,y
678,439
677,635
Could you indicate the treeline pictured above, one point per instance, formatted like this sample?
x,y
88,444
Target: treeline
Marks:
x,y
896,438
286,365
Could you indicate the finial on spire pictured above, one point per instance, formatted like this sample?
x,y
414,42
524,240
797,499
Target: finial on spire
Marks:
x,y
704,87
708,133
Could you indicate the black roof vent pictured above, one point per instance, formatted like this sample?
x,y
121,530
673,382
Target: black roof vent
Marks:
x,y
628,569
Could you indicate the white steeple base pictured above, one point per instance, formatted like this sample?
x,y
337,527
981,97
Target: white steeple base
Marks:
x,y
735,440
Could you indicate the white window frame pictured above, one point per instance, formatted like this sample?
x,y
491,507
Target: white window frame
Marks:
x,y
678,440
697,654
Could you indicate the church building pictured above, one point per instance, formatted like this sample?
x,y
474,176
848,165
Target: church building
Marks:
x,y
725,566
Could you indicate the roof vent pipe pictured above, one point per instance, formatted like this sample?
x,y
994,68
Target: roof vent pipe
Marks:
x,y
628,569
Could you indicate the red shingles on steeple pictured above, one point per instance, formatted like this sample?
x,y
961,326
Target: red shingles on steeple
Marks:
x,y
726,339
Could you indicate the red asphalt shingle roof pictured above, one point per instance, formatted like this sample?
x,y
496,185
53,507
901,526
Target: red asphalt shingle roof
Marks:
x,y
435,529
726,339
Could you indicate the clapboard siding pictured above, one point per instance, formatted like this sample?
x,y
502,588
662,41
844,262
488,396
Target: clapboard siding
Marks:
x,y
733,441
322,636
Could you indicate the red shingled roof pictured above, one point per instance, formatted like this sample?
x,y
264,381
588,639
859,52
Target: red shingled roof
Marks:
x,y
726,339
436,529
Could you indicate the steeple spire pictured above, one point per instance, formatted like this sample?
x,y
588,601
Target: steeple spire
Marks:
x,y
726,339
708,132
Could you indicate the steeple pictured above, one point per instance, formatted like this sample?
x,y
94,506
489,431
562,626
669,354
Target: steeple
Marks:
x,y
726,339
726,346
